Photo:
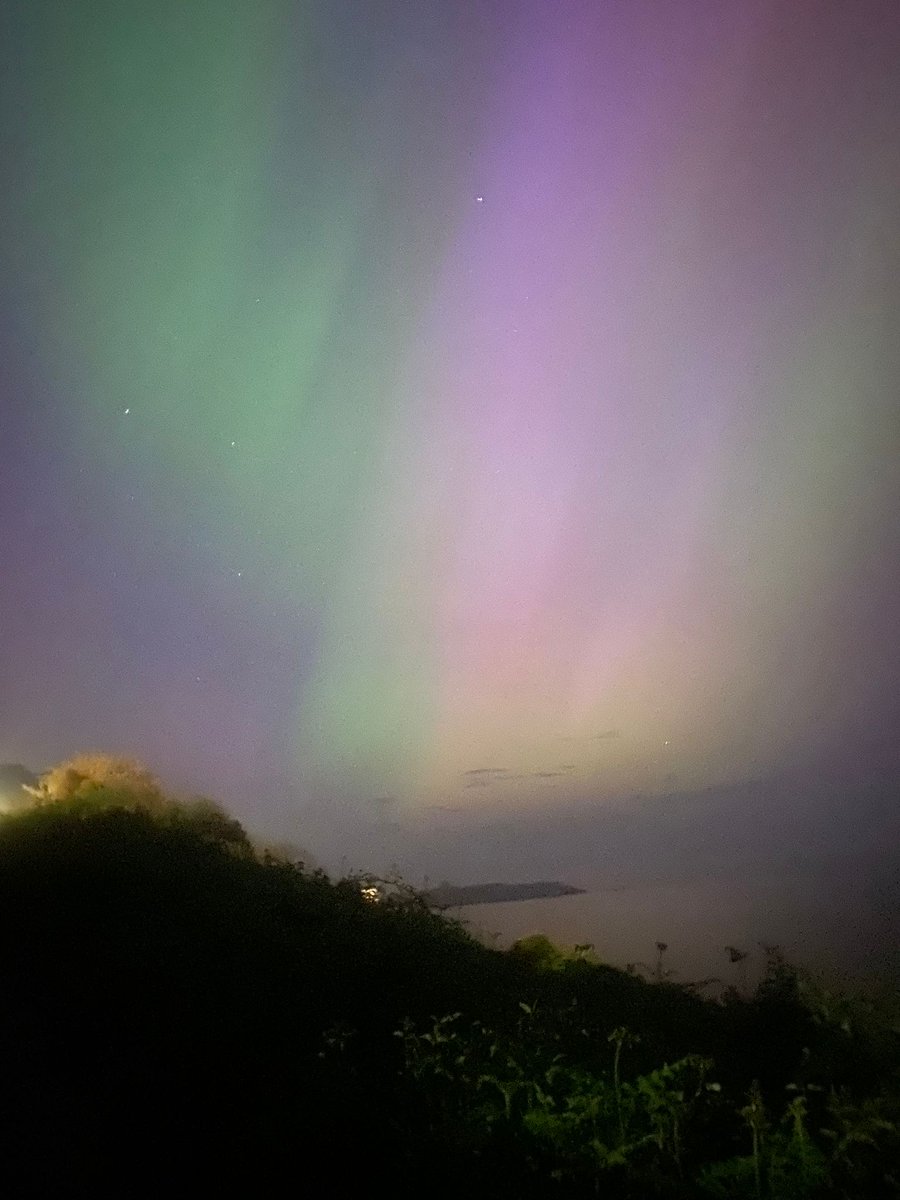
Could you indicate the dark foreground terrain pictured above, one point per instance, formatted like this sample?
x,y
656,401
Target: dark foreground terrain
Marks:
x,y
182,1013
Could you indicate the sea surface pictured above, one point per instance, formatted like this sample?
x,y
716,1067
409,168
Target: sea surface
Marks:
x,y
842,932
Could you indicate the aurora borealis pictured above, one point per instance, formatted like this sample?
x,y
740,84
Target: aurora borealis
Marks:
x,y
416,407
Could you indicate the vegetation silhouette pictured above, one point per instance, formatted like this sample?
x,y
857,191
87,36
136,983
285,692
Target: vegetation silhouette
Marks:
x,y
184,1010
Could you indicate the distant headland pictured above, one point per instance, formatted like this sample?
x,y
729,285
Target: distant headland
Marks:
x,y
449,896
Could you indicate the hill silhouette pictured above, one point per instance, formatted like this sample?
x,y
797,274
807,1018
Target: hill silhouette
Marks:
x,y
165,986
183,1011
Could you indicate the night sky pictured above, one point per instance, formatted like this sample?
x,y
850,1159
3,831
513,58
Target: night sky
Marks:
x,y
413,412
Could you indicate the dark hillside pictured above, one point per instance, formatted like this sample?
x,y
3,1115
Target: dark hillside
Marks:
x,y
181,1013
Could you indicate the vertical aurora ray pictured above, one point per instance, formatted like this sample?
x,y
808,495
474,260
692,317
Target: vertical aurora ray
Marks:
x,y
526,363
652,478
229,268
568,469
172,298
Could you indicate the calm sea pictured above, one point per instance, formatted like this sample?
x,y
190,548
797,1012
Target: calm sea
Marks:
x,y
835,930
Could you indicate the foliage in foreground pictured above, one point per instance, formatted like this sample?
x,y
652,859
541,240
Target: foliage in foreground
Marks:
x,y
584,1126
178,1004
